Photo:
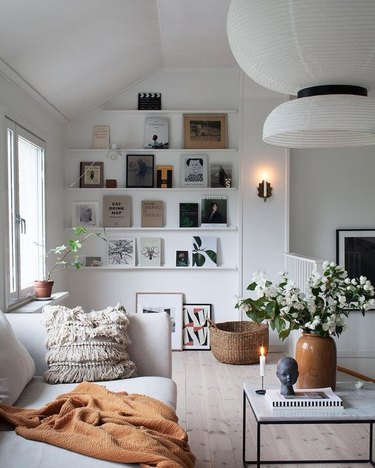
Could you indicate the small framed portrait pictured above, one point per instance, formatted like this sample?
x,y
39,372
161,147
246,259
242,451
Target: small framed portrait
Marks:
x,y
139,170
214,211
182,258
194,170
195,331
91,175
121,252
85,214
205,131
93,262
154,302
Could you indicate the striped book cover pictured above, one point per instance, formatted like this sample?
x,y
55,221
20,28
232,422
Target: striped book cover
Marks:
x,y
306,398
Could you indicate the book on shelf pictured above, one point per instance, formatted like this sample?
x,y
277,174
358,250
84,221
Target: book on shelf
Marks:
x,y
306,398
214,211
164,176
100,137
221,175
204,252
116,211
152,213
150,251
188,215
156,133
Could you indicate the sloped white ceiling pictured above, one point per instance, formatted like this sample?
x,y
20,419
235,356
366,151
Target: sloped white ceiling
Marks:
x,y
76,54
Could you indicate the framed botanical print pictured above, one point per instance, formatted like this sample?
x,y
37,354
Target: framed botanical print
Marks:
x,y
153,302
139,170
91,175
195,331
203,131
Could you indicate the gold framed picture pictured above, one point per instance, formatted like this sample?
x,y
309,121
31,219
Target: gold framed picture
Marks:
x,y
205,131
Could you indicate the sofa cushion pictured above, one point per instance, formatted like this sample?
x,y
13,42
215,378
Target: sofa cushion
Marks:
x,y
16,365
87,346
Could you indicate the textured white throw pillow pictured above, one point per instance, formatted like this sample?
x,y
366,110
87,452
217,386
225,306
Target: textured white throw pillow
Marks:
x,y
87,346
16,365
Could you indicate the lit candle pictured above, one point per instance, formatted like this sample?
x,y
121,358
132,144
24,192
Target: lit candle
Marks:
x,y
264,188
262,362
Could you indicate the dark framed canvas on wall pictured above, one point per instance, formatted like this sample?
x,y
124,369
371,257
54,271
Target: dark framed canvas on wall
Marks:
x,y
355,251
91,174
139,170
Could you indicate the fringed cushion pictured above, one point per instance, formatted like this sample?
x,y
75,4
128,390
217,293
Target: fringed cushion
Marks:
x,y
87,346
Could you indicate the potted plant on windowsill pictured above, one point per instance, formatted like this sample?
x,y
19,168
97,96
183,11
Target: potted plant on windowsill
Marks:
x,y
66,256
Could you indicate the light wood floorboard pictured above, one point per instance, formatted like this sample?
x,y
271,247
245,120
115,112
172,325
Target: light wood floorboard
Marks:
x,y
209,407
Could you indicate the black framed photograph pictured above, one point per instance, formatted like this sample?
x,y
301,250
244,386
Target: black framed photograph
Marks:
x,y
91,174
355,251
139,170
182,258
195,328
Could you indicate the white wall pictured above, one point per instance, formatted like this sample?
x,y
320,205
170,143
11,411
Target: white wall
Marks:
x,y
16,105
261,238
331,189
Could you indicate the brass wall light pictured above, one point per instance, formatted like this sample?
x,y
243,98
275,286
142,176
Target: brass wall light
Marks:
x,y
264,190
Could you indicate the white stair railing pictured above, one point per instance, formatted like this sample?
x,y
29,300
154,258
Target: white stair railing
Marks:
x,y
299,270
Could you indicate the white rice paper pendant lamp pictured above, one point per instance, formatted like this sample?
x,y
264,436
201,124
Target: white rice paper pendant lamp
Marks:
x,y
321,50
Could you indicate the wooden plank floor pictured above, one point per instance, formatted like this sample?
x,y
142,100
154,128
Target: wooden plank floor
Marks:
x,y
209,407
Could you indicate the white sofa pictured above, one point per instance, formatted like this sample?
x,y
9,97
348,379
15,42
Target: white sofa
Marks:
x,y
150,350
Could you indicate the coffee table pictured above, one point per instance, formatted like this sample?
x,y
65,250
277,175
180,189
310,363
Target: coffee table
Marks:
x,y
359,408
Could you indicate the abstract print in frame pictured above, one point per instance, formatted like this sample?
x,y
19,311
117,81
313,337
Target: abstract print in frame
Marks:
x,y
121,252
153,302
196,334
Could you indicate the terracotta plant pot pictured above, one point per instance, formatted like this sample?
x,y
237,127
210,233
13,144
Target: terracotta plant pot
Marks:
x,y
43,288
317,361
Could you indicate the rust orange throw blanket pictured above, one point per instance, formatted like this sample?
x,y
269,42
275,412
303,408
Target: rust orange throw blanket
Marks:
x,y
119,427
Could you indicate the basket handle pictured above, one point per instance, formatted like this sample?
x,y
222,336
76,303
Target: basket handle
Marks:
x,y
212,324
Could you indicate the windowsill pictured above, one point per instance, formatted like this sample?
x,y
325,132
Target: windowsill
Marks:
x,y
36,306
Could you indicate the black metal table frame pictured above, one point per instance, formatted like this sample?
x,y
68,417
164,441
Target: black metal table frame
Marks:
x,y
258,462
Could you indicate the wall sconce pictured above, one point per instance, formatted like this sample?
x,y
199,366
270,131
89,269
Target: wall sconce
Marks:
x,y
114,153
264,190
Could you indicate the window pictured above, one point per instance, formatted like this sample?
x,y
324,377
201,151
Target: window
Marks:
x,y
26,210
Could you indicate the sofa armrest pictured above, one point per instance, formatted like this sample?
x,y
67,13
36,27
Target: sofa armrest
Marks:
x,y
150,335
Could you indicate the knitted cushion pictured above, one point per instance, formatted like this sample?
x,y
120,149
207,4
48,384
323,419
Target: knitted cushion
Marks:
x,y
87,346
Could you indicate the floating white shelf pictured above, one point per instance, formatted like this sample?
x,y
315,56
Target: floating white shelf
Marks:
x,y
114,268
166,190
170,111
153,150
165,229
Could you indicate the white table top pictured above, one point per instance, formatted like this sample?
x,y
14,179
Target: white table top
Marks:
x,y
359,405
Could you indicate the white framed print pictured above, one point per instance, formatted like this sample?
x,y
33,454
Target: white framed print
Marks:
x,y
194,170
154,302
196,332
121,252
85,214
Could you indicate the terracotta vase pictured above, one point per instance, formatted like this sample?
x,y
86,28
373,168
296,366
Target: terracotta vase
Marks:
x,y
43,288
317,361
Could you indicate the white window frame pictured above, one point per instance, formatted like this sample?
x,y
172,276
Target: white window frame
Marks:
x,y
20,295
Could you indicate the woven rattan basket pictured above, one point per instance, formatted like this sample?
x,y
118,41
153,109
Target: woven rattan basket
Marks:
x,y
238,342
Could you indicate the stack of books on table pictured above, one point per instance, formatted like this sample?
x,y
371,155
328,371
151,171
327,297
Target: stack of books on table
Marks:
x,y
306,398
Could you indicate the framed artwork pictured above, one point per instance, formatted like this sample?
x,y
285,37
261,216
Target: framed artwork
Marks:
x,y
91,175
204,252
205,131
121,252
152,302
195,328
182,258
149,251
355,251
221,175
85,214
139,170
214,211
93,261
194,170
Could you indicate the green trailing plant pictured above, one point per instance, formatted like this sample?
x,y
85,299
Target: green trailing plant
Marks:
x,y
66,255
